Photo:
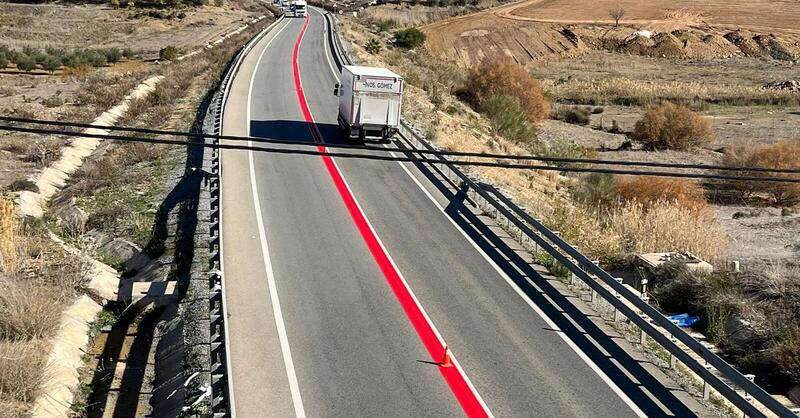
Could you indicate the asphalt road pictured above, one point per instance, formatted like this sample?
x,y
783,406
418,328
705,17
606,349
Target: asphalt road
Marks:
x,y
316,325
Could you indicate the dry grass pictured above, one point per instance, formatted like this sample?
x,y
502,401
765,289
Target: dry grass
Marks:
x,y
28,310
586,230
650,190
667,226
625,91
9,236
783,154
670,126
21,375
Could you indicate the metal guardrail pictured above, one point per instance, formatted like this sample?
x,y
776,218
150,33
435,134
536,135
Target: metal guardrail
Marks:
x,y
222,404
614,292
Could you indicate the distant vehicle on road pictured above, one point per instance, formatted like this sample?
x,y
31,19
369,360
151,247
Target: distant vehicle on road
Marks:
x,y
369,102
297,8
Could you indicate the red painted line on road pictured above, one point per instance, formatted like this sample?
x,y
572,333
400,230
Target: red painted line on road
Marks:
x,y
463,391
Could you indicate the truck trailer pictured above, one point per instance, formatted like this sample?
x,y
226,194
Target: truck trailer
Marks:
x,y
297,8
369,102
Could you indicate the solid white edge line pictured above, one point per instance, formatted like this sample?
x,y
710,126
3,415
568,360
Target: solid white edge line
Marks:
x,y
530,303
294,387
391,260
229,363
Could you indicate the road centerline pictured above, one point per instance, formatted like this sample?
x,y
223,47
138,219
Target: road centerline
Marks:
x,y
455,377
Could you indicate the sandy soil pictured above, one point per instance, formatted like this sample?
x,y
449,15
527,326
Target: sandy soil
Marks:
x,y
760,15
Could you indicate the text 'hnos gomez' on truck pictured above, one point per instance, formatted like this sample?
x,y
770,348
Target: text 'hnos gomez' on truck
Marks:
x,y
369,102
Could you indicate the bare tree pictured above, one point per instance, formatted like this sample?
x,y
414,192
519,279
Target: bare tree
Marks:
x,y
617,14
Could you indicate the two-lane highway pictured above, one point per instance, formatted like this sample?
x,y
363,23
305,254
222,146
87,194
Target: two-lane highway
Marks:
x,y
345,279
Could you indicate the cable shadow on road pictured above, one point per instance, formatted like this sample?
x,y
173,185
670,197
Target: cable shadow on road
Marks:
x,y
296,130
625,371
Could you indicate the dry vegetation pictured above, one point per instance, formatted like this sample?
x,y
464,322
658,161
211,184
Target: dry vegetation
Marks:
x,y
669,126
780,155
37,279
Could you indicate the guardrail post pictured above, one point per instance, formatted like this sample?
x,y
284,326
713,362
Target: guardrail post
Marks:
x,y
747,397
673,361
618,296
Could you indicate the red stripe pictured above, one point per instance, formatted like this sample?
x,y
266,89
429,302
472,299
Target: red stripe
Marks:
x,y
436,347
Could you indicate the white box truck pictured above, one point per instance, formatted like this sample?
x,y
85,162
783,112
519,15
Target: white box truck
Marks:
x,y
298,8
369,102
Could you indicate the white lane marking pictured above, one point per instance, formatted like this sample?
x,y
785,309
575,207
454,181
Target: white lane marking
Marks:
x,y
231,393
530,303
326,49
400,273
513,285
294,387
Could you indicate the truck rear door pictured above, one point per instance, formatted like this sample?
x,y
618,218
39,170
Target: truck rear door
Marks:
x,y
374,109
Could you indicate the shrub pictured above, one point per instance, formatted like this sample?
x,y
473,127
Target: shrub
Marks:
x,y
168,53
128,53
27,311
650,190
373,46
409,38
25,63
783,154
3,60
507,118
498,76
112,55
385,25
787,354
562,148
669,126
52,63
21,372
574,115
596,190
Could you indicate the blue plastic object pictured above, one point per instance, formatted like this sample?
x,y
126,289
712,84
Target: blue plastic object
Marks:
x,y
683,320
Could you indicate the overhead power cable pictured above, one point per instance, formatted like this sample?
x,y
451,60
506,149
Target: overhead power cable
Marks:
x,y
391,149
389,157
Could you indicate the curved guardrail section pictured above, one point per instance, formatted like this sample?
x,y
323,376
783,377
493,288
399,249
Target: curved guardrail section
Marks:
x,y
222,403
622,298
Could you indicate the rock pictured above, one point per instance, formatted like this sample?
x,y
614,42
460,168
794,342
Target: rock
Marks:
x,y
790,85
127,252
794,394
739,332
72,219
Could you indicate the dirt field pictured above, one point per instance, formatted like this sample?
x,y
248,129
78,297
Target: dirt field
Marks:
x,y
758,15
95,26
537,29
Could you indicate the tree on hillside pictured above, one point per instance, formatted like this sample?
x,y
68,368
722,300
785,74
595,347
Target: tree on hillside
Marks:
x,y
617,14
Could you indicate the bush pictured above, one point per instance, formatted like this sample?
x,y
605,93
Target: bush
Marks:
x,y
52,63
783,154
508,119
572,114
669,126
650,190
562,148
787,354
373,46
501,76
25,63
128,53
596,190
168,53
3,60
113,55
385,25
409,38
